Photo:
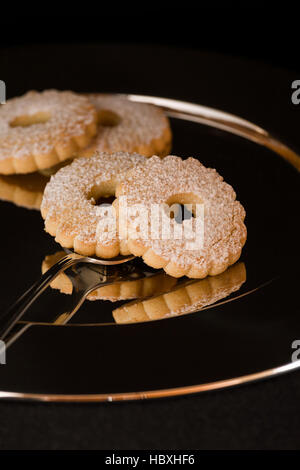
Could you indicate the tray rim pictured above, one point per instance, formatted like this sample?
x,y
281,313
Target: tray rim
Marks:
x,y
229,123
160,393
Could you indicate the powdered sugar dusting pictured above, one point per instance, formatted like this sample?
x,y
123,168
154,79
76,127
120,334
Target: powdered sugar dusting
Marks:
x,y
224,232
67,197
139,124
69,113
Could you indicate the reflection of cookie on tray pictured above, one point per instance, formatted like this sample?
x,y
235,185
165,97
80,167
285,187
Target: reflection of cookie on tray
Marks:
x,y
39,130
190,297
129,127
140,288
23,190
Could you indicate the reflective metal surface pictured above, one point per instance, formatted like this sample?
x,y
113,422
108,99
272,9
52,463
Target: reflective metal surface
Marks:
x,y
243,337
84,281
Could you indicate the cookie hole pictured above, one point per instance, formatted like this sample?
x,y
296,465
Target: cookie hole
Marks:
x,y
103,193
107,200
183,207
179,212
108,118
27,120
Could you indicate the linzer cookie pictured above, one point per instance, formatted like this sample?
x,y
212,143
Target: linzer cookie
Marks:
x,y
130,127
39,130
70,203
207,242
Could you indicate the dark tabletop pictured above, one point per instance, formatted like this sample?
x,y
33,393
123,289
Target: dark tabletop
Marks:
x,y
261,415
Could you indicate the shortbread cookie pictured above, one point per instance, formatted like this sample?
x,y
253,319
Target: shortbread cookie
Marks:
x,y
39,130
140,288
208,243
23,190
192,296
70,208
127,126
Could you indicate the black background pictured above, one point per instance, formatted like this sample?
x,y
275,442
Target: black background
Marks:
x,y
263,415
264,31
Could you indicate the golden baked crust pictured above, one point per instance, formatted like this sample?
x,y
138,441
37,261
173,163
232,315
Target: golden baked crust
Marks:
x,y
220,226
39,130
192,296
69,203
124,125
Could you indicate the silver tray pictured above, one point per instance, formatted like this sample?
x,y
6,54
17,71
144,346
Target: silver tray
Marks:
x,y
245,331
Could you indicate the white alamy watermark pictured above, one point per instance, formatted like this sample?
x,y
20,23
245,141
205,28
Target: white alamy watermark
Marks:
x,y
296,354
295,97
2,92
2,352
153,222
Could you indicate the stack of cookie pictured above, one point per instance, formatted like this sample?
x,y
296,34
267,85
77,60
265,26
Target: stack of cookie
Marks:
x,y
76,215
118,147
41,132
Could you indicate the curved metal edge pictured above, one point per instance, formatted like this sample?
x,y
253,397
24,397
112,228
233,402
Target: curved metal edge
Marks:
x,y
235,125
171,392
221,120
120,259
